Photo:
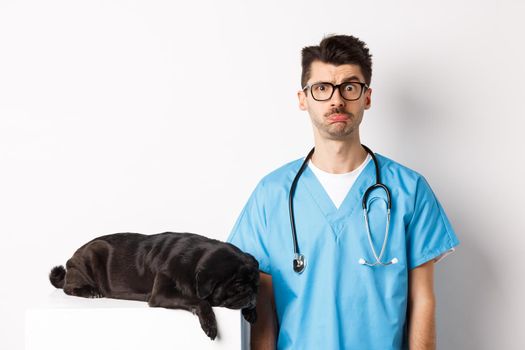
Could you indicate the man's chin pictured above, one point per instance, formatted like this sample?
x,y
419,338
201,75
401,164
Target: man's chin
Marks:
x,y
339,134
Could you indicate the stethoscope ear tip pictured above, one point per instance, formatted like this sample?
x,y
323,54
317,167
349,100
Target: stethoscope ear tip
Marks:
x,y
363,262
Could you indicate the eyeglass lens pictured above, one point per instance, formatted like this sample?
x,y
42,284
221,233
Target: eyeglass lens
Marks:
x,y
324,91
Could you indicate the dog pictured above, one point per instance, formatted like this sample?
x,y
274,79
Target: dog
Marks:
x,y
177,270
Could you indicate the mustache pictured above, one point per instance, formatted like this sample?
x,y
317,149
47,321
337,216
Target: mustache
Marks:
x,y
338,111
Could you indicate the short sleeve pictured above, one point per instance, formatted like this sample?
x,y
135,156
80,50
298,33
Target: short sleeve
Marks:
x,y
249,231
429,233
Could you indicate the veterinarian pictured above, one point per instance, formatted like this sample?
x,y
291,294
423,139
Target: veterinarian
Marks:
x,y
346,244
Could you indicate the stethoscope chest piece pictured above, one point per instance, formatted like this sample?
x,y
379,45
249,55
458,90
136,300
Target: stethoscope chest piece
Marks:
x,y
299,263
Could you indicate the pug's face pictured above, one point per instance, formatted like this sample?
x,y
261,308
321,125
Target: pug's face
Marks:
x,y
227,280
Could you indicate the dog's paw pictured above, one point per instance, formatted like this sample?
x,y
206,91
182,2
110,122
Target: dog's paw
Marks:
x,y
84,291
96,294
211,331
250,315
208,323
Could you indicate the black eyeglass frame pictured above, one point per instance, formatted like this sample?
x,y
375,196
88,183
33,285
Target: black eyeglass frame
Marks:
x,y
364,87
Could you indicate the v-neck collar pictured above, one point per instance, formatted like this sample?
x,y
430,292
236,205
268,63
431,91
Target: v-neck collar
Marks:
x,y
337,217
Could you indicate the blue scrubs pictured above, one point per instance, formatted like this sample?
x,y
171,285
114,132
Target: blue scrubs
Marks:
x,y
336,303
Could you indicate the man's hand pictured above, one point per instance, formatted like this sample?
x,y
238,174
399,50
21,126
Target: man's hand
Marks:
x,y
264,330
421,308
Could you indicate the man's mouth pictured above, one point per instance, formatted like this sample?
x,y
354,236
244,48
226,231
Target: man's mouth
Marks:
x,y
337,117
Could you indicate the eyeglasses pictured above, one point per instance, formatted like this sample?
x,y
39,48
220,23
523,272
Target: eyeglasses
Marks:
x,y
350,91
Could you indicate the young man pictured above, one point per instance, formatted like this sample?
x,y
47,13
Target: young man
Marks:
x,y
361,278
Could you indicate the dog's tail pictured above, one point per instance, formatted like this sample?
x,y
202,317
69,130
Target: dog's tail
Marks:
x,y
56,276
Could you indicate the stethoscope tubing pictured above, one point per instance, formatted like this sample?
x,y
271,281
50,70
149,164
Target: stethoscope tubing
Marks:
x,y
299,262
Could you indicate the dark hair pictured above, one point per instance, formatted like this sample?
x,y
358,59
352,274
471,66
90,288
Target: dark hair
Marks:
x,y
337,50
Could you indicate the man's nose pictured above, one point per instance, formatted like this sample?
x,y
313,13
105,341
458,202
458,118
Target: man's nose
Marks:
x,y
337,99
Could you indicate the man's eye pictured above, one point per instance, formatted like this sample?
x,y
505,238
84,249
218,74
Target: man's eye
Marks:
x,y
349,87
320,87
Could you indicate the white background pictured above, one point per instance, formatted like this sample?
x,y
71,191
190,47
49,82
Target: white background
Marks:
x,y
152,116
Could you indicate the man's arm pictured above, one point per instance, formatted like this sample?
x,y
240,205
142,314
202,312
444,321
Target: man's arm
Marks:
x,y
421,308
264,331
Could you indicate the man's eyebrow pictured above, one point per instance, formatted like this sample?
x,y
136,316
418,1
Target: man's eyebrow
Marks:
x,y
351,78
347,79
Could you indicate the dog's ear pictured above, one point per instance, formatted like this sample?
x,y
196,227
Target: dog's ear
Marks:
x,y
205,284
253,260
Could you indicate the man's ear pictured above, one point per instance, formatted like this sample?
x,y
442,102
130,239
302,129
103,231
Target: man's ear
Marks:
x,y
204,284
303,104
368,98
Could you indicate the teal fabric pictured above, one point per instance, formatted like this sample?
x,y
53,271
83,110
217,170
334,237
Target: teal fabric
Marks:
x,y
336,303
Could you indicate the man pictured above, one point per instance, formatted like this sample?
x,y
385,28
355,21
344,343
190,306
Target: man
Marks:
x,y
356,291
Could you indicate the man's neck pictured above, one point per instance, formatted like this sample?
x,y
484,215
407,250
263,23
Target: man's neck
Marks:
x,y
338,157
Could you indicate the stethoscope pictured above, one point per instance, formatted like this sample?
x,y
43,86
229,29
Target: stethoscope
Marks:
x,y
299,261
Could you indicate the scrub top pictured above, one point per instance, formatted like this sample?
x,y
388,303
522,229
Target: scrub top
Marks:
x,y
336,303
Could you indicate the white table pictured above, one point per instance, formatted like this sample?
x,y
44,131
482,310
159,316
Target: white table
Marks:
x,y
61,321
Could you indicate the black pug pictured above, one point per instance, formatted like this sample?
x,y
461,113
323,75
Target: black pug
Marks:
x,y
171,269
